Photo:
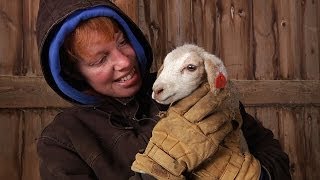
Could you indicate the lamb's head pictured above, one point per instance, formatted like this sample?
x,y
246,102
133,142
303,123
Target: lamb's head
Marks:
x,y
183,70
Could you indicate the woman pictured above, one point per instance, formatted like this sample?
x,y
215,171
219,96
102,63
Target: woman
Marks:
x,y
94,56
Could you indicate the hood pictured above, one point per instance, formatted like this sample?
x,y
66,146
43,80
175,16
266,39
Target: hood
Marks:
x,y
56,19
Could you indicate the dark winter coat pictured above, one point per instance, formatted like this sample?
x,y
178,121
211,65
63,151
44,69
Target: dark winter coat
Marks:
x,y
100,141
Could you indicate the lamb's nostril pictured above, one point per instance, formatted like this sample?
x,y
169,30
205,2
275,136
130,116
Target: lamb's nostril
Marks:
x,y
159,91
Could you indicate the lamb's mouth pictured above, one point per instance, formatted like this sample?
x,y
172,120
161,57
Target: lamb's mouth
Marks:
x,y
164,101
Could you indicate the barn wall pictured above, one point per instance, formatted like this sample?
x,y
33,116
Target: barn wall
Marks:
x,y
271,49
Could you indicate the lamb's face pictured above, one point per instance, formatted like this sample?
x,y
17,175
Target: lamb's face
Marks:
x,y
183,72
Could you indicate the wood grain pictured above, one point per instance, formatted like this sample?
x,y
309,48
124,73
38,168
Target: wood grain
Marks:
x,y
11,133
11,33
236,37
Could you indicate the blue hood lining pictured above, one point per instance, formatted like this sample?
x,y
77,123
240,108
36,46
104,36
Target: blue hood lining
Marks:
x,y
67,27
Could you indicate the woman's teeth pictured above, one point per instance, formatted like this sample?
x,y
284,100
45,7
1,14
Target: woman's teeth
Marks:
x,y
128,77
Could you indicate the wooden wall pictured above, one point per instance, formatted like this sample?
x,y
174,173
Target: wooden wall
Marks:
x,y
270,47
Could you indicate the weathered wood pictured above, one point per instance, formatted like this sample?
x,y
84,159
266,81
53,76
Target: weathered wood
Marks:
x,y
311,45
152,23
269,118
288,136
35,120
130,7
299,134
236,37
11,55
179,23
203,24
11,132
265,55
289,27
311,142
297,129
30,92
279,92
19,92
30,48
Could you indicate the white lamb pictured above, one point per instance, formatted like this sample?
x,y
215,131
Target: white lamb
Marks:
x,y
184,69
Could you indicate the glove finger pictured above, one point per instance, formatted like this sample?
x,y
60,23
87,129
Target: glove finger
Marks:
x,y
212,123
186,103
146,165
250,168
221,133
206,105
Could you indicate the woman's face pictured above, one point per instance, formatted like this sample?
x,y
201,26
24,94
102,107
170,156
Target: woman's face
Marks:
x,y
110,67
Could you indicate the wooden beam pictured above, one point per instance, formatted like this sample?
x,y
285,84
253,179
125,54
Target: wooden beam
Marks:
x,y
28,92
279,92
33,92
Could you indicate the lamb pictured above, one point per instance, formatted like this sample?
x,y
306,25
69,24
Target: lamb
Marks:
x,y
185,69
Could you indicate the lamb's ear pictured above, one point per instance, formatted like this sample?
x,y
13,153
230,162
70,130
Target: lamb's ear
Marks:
x,y
216,72
159,71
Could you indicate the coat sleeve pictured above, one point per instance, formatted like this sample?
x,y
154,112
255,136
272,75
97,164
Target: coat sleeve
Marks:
x,y
58,162
265,147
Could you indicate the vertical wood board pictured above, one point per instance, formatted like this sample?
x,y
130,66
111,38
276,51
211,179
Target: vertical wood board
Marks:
x,y
11,47
11,132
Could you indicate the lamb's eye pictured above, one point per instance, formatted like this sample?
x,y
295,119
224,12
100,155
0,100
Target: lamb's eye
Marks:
x,y
191,67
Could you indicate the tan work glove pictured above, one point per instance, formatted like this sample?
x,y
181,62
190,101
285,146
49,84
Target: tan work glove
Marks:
x,y
189,134
229,163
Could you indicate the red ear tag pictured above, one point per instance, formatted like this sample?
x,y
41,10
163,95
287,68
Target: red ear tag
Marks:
x,y
221,81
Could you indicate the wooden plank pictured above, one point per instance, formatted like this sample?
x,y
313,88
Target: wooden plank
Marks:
x,y
311,139
290,138
10,148
152,23
30,48
19,92
35,121
289,27
268,116
28,92
130,7
279,92
236,37
299,135
11,58
203,24
265,55
178,23
311,58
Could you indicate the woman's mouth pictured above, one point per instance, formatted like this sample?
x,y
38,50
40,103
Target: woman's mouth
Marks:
x,y
128,77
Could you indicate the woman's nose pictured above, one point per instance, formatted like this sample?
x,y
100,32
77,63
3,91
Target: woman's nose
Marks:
x,y
121,60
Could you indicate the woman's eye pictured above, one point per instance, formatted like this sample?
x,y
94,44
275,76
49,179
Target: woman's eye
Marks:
x,y
191,67
99,62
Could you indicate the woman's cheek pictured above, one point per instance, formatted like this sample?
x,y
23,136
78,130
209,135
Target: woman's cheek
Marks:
x,y
103,77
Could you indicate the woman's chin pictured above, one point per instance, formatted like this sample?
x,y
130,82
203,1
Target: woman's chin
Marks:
x,y
128,91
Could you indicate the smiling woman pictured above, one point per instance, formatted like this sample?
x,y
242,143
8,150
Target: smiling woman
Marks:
x,y
104,58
